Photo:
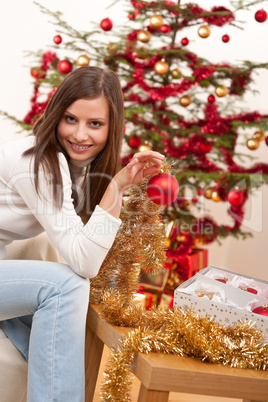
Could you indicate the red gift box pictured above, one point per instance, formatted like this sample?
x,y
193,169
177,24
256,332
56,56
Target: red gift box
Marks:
x,y
197,260
183,267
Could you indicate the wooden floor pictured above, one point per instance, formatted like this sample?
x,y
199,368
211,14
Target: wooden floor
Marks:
x,y
174,397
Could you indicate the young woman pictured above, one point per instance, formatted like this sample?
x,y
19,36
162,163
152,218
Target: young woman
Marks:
x,y
63,180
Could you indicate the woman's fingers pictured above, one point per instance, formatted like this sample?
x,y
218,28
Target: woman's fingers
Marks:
x,y
149,155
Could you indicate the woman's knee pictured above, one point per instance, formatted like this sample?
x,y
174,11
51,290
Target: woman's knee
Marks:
x,y
71,283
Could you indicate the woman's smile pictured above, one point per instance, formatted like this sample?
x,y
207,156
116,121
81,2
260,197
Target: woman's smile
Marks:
x,y
79,147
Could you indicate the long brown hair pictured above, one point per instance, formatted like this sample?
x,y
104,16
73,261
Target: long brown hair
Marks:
x,y
82,83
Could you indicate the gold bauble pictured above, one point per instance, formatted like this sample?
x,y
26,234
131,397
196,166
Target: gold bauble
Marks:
x,y
176,73
208,193
221,91
167,243
83,60
111,48
259,135
204,31
144,36
215,196
144,147
253,144
161,67
185,100
180,238
142,55
156,21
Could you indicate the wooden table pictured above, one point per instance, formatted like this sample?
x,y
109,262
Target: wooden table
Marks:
x,y
161,373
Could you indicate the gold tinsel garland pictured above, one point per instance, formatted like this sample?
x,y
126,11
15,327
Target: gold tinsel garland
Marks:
x,y
140,244
177,332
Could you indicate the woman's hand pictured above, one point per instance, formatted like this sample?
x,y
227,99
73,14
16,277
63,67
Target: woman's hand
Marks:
x,y
135,171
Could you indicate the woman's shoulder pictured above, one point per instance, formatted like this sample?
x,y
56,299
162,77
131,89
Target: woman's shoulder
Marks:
x,y
11,153
13,161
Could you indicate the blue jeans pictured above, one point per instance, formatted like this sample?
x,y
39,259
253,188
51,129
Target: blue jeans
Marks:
x,y
43,307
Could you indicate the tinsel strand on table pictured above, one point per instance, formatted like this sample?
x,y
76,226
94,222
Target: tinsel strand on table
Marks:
x,y
177,332
139,244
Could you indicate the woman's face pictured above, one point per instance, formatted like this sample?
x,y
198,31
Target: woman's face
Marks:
x,y
83,129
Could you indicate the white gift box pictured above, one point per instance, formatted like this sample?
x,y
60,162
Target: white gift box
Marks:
x,y
227,296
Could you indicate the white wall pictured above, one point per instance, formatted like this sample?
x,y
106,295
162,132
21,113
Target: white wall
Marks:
x,y
23,27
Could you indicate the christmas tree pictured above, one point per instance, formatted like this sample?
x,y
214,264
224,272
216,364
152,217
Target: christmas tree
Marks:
x,y
175,102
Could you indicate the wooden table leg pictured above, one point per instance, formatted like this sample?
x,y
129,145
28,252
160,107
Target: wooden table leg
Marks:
x,y
93,354
147,395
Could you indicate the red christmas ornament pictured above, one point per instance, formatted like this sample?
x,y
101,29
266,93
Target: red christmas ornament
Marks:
x,y
163,189
221,280
205,147
57,39
235,197
250,290
184,41
266,140
261,16
36,73
225,38
263,310
64,66
106,24
134,142
165,28
211,98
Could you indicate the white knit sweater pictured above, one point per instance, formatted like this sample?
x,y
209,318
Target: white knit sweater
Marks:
x,y
23,214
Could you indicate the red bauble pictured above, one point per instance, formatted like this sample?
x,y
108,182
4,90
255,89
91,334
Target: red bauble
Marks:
x,y
106,24
57,39
134,142
184,41
163,189
205,147
165,28
263,310
221,280
266,140
225,38
211,98
64,66
36,73
261,16
235,197
250,290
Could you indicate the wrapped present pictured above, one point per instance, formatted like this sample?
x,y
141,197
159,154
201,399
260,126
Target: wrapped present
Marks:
x,y
166,301
156,281
197,260
139,299
227,296
183,267
152,297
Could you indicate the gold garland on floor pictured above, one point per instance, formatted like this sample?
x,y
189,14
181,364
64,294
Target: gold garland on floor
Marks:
x,y
140,244
177,332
